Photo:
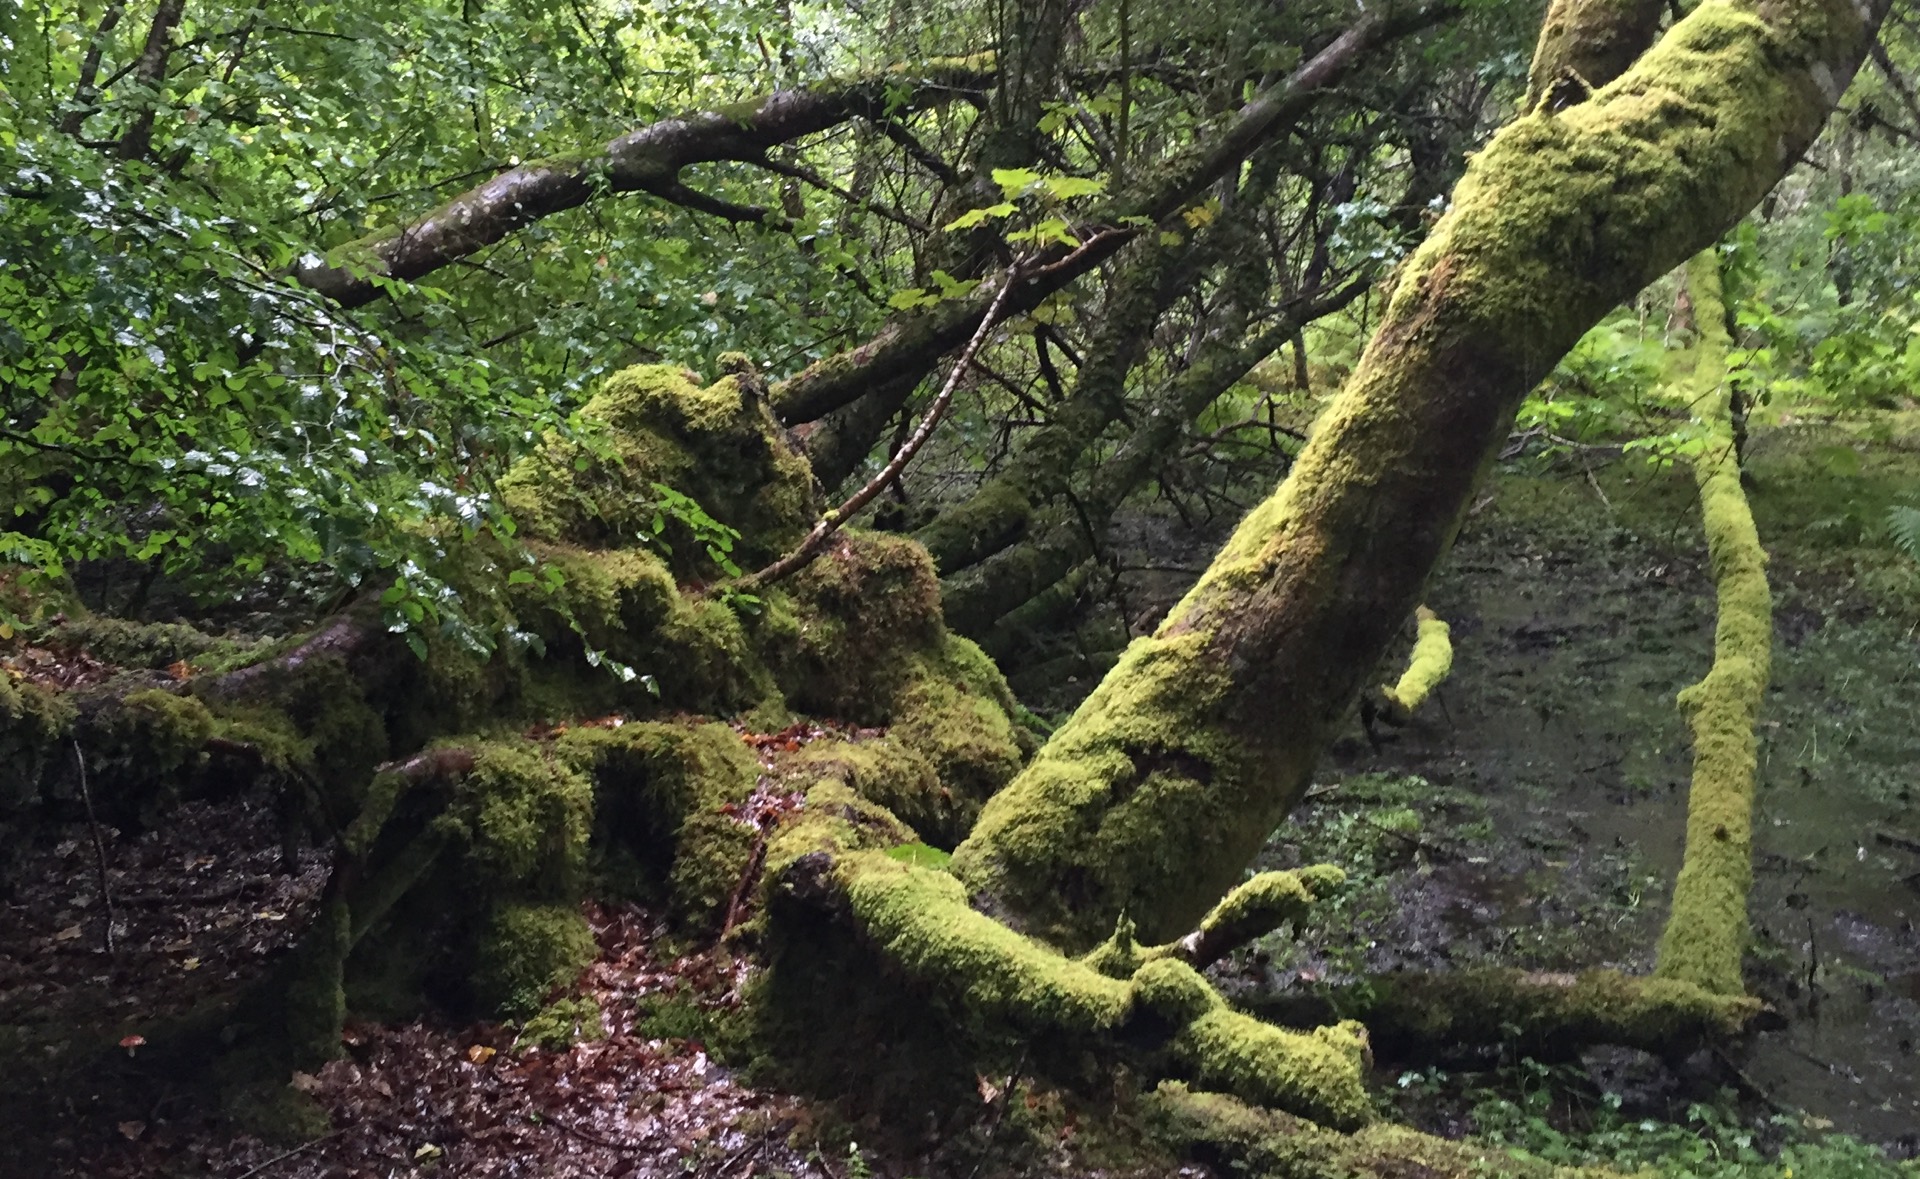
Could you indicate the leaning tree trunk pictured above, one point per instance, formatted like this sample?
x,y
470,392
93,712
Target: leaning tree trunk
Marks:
x,y
1154,797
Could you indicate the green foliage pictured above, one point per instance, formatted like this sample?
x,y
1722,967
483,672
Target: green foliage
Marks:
x,y
1903,524
1710,1143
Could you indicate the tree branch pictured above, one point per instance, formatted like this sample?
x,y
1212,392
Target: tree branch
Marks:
x,y
647,160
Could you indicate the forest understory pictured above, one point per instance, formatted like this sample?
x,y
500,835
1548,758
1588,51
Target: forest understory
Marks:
x,y
1529,817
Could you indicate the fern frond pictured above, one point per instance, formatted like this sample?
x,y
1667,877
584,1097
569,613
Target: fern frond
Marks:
x,y
1903,522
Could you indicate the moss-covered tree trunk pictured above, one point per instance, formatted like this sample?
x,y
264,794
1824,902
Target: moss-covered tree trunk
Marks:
x,y
1155,796
1707,928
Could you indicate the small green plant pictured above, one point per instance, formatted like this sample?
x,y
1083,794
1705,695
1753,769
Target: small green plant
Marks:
x,y
1903,524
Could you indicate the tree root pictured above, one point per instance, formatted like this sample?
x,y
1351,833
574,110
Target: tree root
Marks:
x,y
1163,1017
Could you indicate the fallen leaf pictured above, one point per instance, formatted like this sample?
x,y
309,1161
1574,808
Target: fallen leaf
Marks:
x,y
427,1151
68,934
480,1053
179,670
305,1082
190,964
131,1131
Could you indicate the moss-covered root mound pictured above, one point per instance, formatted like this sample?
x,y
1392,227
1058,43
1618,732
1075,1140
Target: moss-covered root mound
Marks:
x,y
1706,931
1550,1016
1244,1140
921,922
1427,669
655,424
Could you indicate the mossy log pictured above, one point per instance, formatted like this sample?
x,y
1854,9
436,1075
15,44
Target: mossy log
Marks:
x,y
1153,798
1264,1144
1545,1015
1706,930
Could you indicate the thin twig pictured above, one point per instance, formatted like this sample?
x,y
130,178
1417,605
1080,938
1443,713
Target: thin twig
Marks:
x,y
99,849
300,1149
830,523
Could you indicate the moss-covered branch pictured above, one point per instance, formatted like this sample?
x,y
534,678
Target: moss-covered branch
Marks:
x,y
1427,668
1549,1016
1242,1139
1707,930
992,977
1153,798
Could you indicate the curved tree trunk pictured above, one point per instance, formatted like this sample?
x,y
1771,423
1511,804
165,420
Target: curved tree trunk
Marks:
x,y
1151,801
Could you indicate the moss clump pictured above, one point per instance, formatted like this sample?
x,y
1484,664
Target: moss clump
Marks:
x,y
886,772
1315,1074
956,712
524,816
563,1023
529,951
33,724
143,750
866,603
614,596
718,445
669,799
152,644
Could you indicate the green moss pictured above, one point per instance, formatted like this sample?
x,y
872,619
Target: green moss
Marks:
x,y
1541,1014
1138,804
153,644
868,601
1427,667
955,711
616,596
718,445
529,951
1706,931
886,772
921,920
1268,901
668,800
524,815
33,726
835,820
1241,1138
563,1023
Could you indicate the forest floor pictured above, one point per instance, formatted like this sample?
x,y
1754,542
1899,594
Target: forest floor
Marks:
x,y
1531,816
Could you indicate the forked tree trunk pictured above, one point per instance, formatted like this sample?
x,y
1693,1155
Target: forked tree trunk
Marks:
x,y
1155,796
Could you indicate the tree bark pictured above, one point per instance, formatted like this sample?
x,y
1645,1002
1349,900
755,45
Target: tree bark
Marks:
x,y
647,160
1154,797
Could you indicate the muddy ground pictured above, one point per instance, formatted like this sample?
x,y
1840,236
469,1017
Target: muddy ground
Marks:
x,y
1546,823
